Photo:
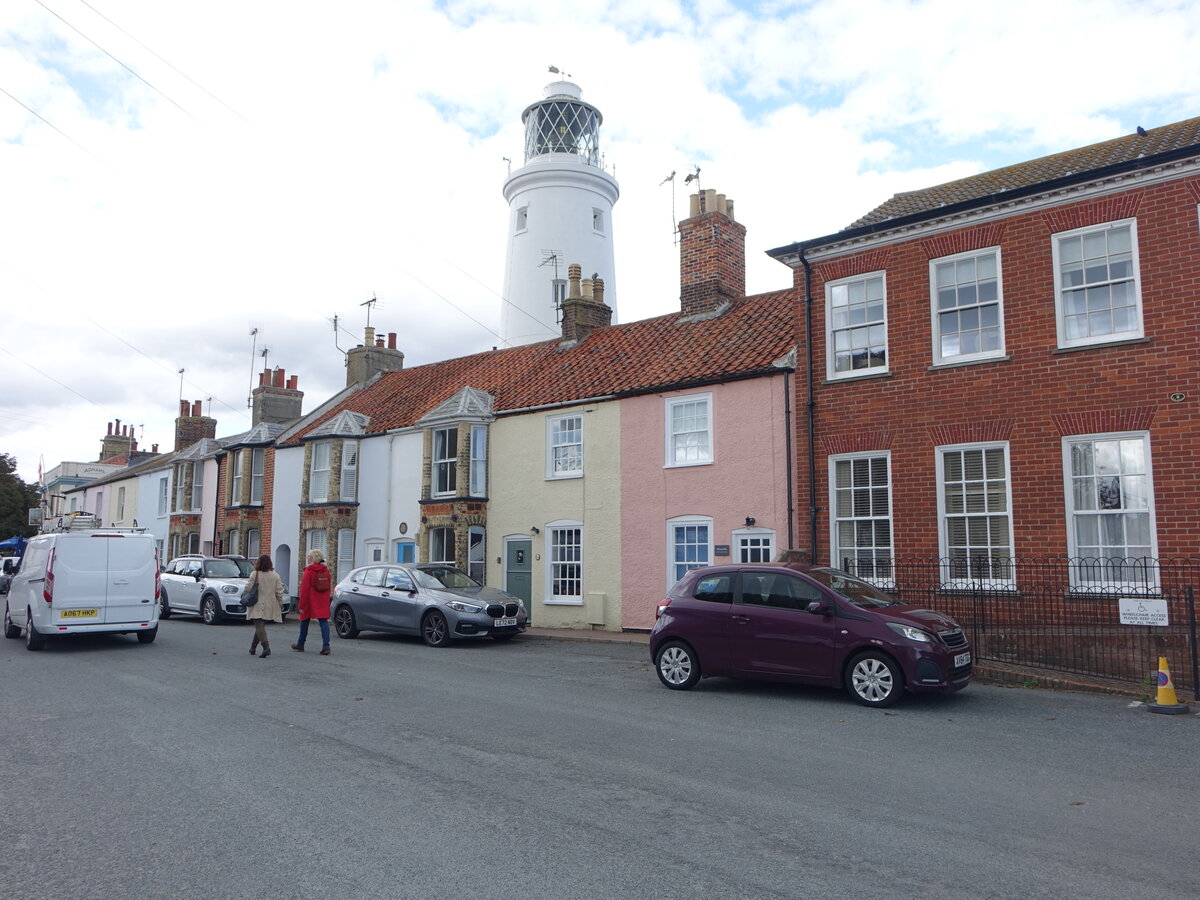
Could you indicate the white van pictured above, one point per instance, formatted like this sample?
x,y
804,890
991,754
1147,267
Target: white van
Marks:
x,y
83,582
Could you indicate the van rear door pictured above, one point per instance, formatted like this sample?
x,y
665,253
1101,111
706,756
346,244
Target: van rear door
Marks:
x,y
77,579
132,566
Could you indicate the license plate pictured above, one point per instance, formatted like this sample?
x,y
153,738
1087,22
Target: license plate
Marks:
x,y
504,623
962,659
78,613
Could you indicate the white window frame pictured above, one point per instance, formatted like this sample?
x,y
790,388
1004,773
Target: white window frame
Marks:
x,y
375,553
877,554
563,554
232,543
1003,576
237,473
750,542
1085,576
448,548
705,452
348,477
447,462
193,543
253,544
598,220
478,475
181,494
521,219
477,553
318,474
568,465
1137,331
345,552
164,496
258,467
121,503
197,485
704,557
832,330
936,312
315,539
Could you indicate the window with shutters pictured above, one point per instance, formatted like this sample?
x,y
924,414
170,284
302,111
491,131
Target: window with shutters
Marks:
x,y
349,490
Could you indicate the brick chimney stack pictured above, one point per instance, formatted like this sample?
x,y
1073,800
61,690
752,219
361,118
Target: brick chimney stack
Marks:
x,y
118,442
371,357
276,399
712,255
584,310
192,425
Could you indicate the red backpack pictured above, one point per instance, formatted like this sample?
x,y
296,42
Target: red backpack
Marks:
x,y
321,583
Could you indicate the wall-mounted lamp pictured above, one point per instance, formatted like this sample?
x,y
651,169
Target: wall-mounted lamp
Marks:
x,y
534,529
749,521
454,517
424,519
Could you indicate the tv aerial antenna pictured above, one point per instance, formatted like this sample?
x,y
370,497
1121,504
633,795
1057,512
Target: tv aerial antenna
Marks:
x,y
370,304
674,218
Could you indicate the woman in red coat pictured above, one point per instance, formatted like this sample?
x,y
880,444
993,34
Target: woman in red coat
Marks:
x,y
314,599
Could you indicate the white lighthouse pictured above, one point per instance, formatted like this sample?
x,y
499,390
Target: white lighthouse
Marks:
x,y
559,212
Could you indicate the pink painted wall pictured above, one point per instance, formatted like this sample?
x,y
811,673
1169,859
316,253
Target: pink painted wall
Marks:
x,y
748,477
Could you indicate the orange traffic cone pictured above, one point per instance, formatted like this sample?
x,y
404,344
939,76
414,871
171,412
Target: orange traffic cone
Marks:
x,y
1166,702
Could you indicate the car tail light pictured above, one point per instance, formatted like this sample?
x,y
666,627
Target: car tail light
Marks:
x,y
662,608
48,582
157,582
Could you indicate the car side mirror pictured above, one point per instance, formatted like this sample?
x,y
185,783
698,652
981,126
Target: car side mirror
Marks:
x,y
818,608
197,576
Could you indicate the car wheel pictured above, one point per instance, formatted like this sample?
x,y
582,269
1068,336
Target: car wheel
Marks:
x,y
148,636
677,665
874,680
208,610
344,624
10,630
164,608
33,640
434,630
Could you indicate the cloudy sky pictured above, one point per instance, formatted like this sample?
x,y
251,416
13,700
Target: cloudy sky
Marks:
x,y
173,176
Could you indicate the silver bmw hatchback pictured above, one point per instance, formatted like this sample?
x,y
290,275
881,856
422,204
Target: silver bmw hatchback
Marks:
x,y
438,602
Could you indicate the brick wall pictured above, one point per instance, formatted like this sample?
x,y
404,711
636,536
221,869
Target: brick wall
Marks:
x,y
1036,394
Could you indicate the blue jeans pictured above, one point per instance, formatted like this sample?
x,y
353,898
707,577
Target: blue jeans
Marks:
x,y
324,623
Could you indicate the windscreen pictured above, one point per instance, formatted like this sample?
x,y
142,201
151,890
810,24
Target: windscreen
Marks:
x,y
859,592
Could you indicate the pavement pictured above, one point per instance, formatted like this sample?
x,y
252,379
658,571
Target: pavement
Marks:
x,y
986,672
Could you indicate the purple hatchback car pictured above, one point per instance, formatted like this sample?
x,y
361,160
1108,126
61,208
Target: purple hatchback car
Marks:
x,y
804,624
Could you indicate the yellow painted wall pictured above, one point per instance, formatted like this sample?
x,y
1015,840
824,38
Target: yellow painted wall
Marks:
x,y
520,497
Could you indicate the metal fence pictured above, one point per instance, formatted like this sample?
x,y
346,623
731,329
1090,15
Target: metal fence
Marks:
x,y
1103,618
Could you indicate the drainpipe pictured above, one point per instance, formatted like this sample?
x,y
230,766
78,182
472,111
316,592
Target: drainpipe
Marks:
x,y
810,411
791,463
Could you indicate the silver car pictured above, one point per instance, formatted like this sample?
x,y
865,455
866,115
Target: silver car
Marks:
x,y
207,586
436,601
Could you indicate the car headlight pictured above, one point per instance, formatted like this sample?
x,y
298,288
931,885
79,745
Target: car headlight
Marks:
x,y
230,589
460,606
913,634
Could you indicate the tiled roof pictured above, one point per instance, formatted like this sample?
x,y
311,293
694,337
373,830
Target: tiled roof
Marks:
x,y
1163,139
262,433
644,356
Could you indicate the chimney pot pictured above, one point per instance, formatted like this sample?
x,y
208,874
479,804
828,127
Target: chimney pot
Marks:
x,y
598,290
391,340
183,407
291,383
368,336
277,378
198,409
110,428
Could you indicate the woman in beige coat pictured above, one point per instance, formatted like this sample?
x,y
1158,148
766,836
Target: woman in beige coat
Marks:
x,y
270,597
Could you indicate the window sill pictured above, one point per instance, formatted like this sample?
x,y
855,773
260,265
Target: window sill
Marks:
x,y
1101,345
562,603
866,376
978,361
569,477
688,465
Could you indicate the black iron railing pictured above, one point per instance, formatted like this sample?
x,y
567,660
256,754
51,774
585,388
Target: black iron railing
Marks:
x,y
1103,618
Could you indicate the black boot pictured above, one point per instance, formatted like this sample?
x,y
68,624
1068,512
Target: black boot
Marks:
x,y
253,644
266,651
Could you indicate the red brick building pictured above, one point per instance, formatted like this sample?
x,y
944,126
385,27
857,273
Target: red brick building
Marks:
x,y
1007,366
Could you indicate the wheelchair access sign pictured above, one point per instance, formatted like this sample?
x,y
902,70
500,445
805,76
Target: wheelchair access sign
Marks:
x,y
1143,611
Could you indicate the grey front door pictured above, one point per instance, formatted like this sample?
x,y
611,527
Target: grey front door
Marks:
x,y
518,572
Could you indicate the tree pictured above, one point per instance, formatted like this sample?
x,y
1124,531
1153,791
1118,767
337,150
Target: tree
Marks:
x,y
16,499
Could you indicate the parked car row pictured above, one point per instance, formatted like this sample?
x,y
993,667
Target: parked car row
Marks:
x,y
792,623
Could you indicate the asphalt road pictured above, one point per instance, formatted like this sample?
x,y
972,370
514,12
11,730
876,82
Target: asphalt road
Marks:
x,y
561,769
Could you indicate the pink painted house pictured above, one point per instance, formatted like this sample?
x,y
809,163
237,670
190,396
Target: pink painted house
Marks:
x,y
707,465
